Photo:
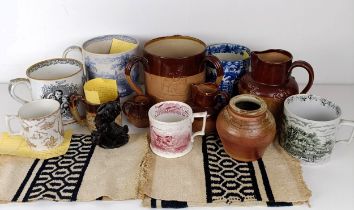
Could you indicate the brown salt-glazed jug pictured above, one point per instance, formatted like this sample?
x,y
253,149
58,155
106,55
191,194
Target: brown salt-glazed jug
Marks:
x,y
207,97
136,109
171,64
270,78
246,127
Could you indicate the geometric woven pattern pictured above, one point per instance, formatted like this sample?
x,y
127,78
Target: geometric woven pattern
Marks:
x,y
227,179
60,178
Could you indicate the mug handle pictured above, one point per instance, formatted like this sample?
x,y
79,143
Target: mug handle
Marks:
x,y
128,68
218,66
201,132
12,86
309,70
224,95
72,48
73,105
347,123
8,119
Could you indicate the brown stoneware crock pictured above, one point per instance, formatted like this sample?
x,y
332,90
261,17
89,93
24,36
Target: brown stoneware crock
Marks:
x,y
171,64
270,78
246,127
136,109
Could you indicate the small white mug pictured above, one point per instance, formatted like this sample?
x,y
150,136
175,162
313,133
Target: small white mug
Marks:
x,y
41,124
171,128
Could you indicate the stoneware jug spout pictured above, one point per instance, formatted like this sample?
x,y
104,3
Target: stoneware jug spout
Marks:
x,y
271,66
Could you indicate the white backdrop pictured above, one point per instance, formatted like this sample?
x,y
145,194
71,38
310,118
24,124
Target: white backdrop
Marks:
x,y
318,31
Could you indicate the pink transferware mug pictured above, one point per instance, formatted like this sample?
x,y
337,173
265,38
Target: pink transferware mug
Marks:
x,y
171,128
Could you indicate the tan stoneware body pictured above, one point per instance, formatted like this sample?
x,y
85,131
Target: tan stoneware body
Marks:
x,y
246,127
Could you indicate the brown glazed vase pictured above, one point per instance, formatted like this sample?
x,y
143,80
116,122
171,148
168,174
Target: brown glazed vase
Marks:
x,y
171,64
270,78
246,127
207,97
136,109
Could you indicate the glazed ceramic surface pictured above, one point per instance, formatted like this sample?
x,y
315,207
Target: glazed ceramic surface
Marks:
x,y
41,124
91,111
136,109
246,127
53,79
235,60
310,126
270,78
171,65
100,64
207,97
171,133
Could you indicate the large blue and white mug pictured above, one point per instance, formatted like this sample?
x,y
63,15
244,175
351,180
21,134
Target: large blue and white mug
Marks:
x,y
235,61
99,63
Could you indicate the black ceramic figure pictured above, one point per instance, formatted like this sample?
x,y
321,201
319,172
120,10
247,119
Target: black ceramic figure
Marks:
x,y
108,134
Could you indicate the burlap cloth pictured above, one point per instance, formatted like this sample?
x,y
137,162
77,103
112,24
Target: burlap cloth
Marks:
x,y
86,172
208,176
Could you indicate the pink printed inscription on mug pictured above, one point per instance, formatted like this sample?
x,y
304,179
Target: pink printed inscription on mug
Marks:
x,y
168,143
171,108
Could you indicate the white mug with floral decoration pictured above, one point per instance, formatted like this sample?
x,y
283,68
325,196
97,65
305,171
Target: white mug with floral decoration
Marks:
x,y
57,79
41,124
310,128
171,133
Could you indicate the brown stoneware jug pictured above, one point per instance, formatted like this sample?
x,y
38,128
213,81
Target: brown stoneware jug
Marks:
x,y
171,64
246,127
270,78
136,109
207,97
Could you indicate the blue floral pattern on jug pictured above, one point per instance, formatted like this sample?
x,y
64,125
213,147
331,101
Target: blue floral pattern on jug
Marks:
x,y
233,69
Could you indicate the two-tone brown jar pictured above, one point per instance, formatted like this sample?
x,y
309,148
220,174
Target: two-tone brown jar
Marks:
x,y
171,65
246,127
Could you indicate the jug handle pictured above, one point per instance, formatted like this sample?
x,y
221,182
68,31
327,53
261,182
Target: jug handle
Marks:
x,y
218,66
309,70
134,60
226,97
73,105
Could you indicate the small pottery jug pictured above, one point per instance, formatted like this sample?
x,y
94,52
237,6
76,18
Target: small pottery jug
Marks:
x,y
207,97
246,127
270,78
136,109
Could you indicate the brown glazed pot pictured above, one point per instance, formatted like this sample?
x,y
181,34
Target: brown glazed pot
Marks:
x,y
91,111
171,64
270,78
246,127
207,97
136,109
